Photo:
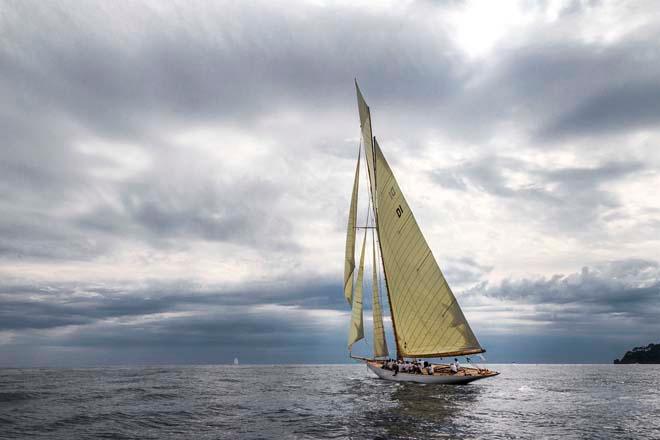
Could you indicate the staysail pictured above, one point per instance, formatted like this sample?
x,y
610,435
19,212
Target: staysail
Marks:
x,y
356,331
429,321
349,259
380,344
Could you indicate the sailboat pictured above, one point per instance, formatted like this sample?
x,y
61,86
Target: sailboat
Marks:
x,y
427,321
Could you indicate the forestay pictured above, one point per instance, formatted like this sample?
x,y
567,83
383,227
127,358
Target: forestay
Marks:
x,y
380,344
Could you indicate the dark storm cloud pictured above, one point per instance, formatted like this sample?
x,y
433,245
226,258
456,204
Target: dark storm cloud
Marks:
x,y
197,323
620,282
51,305
188,72
620,297
633,105
252,335
229,327
25,306
614,297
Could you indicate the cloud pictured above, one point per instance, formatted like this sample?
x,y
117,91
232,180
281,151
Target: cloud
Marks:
x,y
558,80
618,298
55,305
568,200
202,324
629,106
180,172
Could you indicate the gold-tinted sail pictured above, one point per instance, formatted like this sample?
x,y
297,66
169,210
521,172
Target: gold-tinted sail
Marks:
x,y
356,331
380,344
349,259
429,321
367,137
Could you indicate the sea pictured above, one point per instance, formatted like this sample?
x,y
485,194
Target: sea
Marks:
x,y
327,402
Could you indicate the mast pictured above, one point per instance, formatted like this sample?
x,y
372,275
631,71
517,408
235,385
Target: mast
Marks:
x,y
380,342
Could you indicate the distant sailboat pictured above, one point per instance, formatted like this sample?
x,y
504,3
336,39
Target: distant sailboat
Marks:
x,y
426,318
235,361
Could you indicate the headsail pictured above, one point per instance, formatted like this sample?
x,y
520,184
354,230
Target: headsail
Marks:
x,y
429,321
349,259
380,344
356,331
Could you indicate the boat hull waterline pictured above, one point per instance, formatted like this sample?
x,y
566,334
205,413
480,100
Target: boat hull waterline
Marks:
x,y
464,377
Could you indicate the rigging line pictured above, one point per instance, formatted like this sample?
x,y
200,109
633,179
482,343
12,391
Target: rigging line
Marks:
x,y
372,205
373,271
380,296
362,267
376,269
380,284
365,236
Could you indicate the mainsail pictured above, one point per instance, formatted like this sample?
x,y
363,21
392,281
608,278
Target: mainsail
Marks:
x,y
427,320
356,331
349,260
380,344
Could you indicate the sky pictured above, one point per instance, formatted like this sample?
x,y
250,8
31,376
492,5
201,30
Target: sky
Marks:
x,y
175,177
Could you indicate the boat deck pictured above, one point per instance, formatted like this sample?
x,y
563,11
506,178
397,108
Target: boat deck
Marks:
x,y
440,370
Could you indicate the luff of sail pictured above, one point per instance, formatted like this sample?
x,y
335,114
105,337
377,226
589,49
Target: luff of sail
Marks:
x,y
380,344
429,321
356,330
349,259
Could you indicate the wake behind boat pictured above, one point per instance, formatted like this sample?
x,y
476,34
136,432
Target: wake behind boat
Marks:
x,y
427,320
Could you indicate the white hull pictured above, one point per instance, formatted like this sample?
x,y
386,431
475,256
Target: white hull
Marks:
x,y
454,379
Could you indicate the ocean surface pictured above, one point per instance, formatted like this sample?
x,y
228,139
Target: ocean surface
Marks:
x,y
327,402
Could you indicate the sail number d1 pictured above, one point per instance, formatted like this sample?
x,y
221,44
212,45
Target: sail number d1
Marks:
x,y
392,194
